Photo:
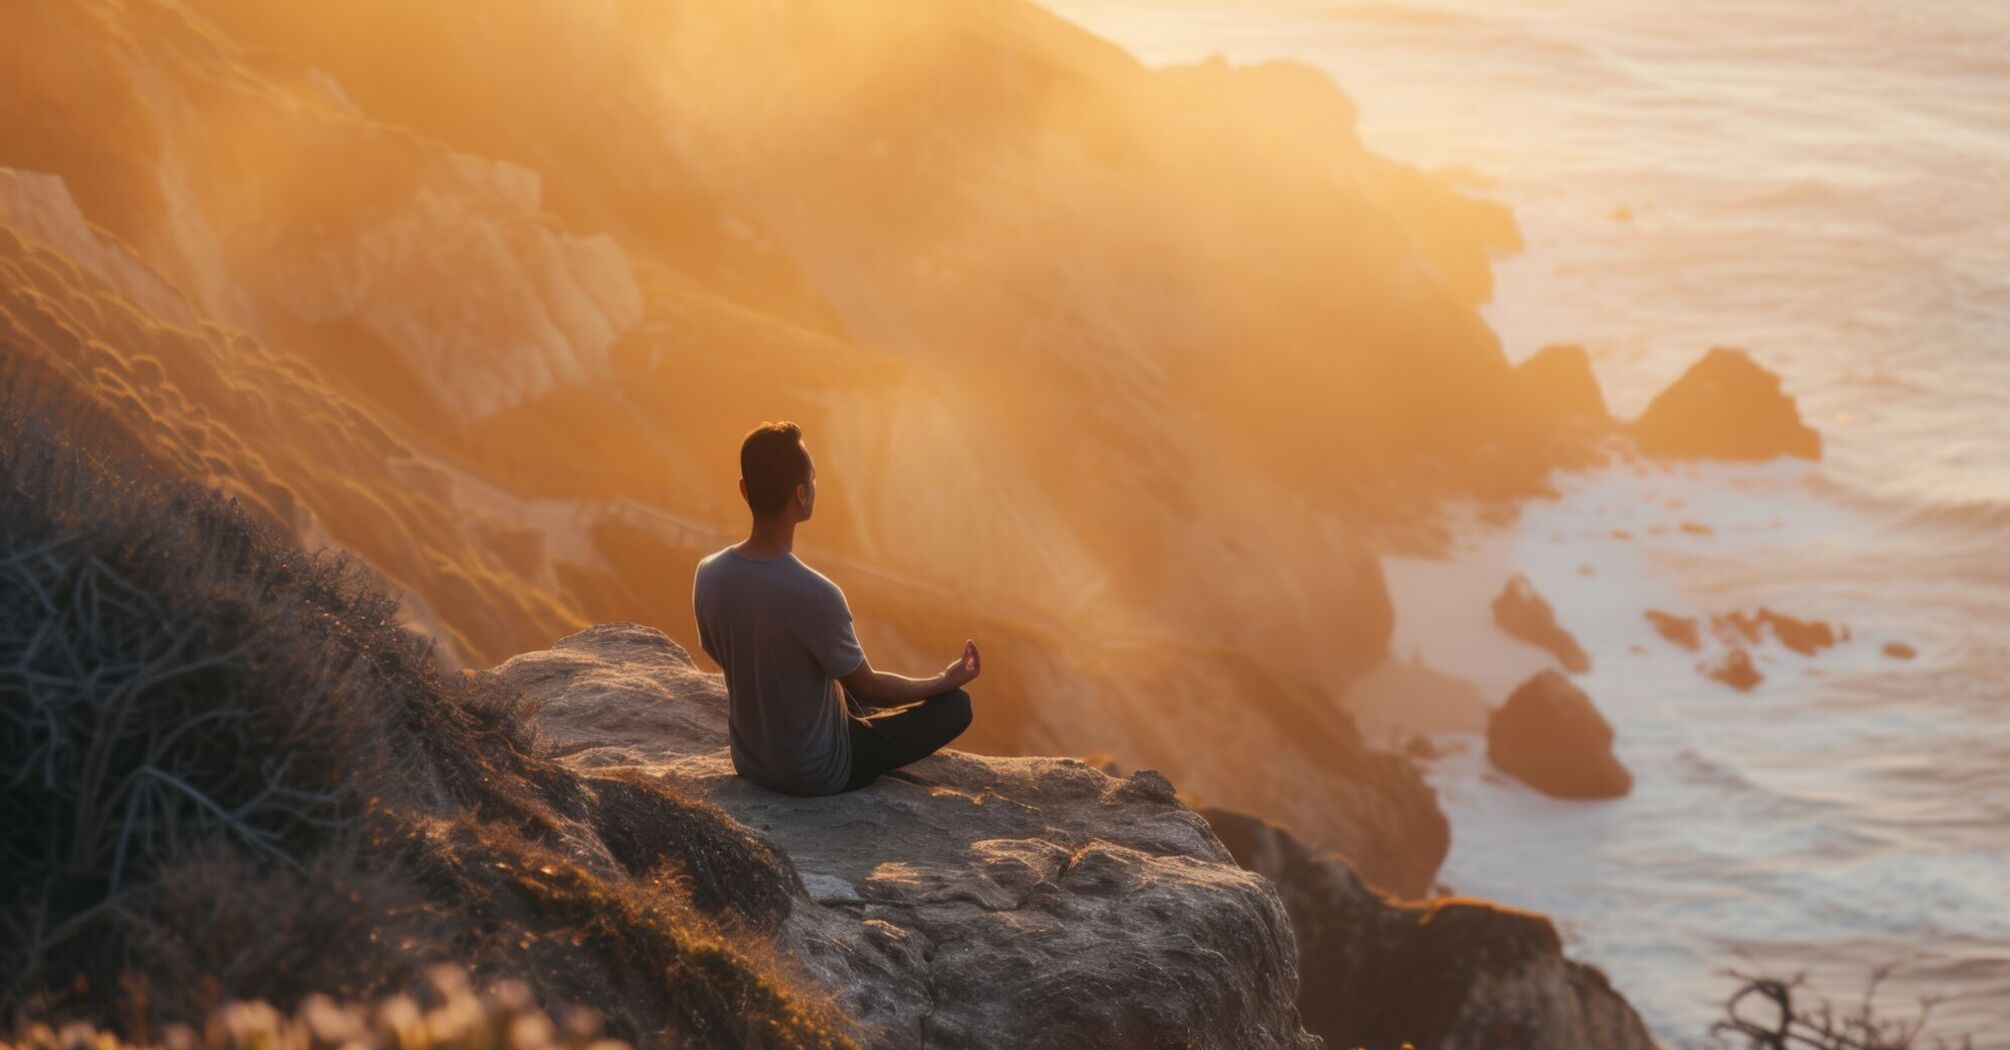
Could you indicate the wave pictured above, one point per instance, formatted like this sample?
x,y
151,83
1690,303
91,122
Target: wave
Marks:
x,y
1974,518
1402,14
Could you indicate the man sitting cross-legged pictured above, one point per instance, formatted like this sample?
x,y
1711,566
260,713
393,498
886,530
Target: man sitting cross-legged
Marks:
x,y
782,632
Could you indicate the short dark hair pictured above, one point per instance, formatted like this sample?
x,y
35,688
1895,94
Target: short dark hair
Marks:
x,y
773,462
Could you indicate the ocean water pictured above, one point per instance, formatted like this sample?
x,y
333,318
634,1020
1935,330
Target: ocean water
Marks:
x,y
1828,185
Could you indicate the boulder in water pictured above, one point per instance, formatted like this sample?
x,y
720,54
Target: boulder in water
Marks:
x,y
1521,612
1806,637
1558,381
1549,736
1678,629
1558,385
1725,407
1735,670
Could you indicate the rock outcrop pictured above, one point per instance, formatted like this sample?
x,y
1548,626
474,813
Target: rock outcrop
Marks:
x,y
1678,629
1806,637
1559,382
1734,669
1451,974
1725,407
1736,633
1551,737
1521,612
964,901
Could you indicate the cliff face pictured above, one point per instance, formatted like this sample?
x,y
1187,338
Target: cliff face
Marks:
x,y
965,901
1451,974
1111,368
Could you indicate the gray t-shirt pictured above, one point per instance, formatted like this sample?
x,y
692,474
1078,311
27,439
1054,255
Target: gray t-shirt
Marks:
x,y
782,633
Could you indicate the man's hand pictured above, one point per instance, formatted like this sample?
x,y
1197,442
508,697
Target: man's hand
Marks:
x,y
964,669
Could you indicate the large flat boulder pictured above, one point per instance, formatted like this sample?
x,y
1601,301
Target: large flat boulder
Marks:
x,y
965,901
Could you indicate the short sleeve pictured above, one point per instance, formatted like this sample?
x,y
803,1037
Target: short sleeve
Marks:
x,y
698,613
828,636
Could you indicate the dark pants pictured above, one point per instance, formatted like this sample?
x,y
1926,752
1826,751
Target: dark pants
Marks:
x,y
892,737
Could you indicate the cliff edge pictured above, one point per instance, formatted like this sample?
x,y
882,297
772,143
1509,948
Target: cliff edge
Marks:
x,y
965,901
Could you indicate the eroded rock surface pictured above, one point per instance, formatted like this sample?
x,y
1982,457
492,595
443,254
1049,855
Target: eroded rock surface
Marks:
x,y
1521,612
1725,407
1550,736
965,901
1450,974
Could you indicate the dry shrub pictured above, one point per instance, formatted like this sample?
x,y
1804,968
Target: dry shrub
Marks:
x,y
165,680
727,870
1775,1013
637,948
214,923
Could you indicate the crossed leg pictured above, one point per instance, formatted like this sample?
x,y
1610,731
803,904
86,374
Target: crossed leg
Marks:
x,y
884,742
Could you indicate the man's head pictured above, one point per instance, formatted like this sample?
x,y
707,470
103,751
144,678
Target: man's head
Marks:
x,y
776,474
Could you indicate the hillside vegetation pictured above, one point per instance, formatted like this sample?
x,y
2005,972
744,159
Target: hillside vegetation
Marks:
x,y
230,772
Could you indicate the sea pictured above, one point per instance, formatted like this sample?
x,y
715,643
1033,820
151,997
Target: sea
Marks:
x,y
1825,183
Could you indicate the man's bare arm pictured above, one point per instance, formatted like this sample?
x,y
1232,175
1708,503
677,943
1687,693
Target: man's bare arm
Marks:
x,y
876,688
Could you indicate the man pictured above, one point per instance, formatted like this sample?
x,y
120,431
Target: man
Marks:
x,y
783,634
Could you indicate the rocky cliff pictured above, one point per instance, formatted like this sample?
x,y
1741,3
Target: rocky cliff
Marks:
x,y
965,901
239,777
1081,345
235,776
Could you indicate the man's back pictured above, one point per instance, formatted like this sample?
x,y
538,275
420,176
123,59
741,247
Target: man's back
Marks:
x,y
783,633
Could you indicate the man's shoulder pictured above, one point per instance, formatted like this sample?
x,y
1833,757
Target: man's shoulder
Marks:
x,y
813,578
789,572
710,566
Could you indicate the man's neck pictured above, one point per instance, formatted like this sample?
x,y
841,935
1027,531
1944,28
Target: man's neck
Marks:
x,y
769,538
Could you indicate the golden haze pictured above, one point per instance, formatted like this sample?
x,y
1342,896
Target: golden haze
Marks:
x,y
1124,372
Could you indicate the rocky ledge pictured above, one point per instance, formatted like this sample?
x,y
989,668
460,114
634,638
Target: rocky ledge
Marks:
x,y
965,901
